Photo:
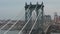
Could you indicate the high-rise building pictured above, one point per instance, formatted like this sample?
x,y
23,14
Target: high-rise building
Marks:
x,y
56,19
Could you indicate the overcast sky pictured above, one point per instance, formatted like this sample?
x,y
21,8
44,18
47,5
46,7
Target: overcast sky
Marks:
x,y
13,9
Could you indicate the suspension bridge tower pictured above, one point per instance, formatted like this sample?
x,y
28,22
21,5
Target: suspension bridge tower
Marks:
x,y
39,9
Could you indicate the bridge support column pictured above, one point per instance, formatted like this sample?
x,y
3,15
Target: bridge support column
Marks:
x,y
39,25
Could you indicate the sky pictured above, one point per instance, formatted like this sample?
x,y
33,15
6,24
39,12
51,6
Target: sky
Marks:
x,y
14,9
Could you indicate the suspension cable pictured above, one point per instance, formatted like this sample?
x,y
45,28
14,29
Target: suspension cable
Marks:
x,y
25,24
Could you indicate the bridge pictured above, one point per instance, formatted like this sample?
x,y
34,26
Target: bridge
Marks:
x,y
37,26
